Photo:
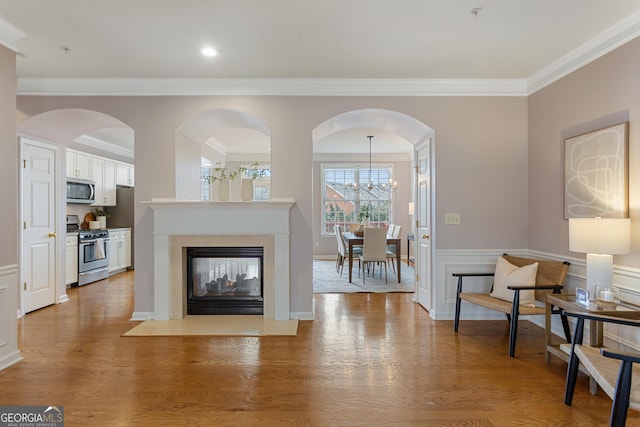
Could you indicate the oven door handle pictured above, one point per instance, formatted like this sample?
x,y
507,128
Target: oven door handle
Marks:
x,y
106,239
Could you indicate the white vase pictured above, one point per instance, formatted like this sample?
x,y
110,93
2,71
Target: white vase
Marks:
x,y
223,190
246,192
103,222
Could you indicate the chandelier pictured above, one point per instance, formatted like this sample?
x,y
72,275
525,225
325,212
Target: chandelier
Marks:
x,y
391,186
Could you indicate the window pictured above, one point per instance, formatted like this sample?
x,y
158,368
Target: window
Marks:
x,y
205,187
342,203
261,183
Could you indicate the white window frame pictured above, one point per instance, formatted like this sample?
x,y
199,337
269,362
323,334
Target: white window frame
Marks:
x,y
364,167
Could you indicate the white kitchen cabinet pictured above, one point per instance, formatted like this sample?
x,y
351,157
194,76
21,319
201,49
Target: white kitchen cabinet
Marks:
x,y
103,173
78,164
124,174
119,249
72,259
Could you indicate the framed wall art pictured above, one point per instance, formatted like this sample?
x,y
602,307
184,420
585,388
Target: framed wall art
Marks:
x,y
596,174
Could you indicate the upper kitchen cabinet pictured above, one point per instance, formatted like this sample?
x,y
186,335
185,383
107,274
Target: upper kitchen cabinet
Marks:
x,y
103,173
78,165
124,174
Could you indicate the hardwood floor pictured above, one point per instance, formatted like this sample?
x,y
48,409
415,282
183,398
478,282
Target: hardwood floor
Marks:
x,y
367,360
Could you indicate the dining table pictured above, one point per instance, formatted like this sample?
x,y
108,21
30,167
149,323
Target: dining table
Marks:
x,y
353,240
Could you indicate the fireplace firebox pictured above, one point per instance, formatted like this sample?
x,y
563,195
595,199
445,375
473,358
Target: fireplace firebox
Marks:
x,y
225,280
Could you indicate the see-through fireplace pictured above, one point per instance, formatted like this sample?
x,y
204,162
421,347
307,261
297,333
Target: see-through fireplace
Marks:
x,y
225,280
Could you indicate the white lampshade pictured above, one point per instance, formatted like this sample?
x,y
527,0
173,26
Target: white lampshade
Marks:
x,y
600,235
411,208
599,238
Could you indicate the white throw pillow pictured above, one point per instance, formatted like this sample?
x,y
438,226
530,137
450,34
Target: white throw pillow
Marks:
x,y
508,274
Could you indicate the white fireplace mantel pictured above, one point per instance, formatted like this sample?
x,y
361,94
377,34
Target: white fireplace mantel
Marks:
x,y
179,223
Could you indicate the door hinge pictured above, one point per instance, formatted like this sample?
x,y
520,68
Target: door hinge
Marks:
x,y
417,278
417,223
25,286
24,163
416,168
24,224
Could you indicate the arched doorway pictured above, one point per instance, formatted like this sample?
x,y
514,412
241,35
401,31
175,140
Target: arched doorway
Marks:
x,y
221,137
44,138
342,138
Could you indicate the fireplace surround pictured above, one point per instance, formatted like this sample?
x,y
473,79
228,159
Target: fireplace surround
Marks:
x,y
182,224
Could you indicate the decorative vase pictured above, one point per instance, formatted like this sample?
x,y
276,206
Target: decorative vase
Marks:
x,y
246,192
103,222
223,190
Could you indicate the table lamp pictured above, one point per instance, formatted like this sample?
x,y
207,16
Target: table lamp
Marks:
x,y
599,238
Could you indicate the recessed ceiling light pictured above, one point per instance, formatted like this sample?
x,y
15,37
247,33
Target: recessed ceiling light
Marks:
x,y
209,51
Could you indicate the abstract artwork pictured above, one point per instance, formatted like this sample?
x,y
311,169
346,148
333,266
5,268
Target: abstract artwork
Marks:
x,y
596,174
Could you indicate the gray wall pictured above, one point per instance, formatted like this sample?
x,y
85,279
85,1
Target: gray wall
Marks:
x,y
601,94
9,159
481,161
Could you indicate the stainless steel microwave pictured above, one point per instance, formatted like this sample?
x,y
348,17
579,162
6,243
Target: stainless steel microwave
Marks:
x,y
81,191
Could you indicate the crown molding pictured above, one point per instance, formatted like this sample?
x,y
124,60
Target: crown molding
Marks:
x,y
274,87
605,42
616,36
103,145
9,35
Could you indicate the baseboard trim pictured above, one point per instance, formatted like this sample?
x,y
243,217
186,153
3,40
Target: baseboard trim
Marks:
x,y
141,316
10,359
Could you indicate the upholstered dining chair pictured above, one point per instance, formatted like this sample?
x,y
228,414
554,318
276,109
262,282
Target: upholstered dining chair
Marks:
x,y
390,229
339,256
343,248
391,249
374,250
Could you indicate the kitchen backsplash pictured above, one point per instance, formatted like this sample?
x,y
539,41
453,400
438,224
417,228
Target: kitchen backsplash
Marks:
x,y
80,210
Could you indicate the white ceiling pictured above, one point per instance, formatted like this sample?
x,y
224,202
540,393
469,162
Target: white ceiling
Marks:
x,y
365,40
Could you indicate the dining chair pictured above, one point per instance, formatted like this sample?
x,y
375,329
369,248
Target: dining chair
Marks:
x,y
392,250
339,257
374,250
343,248
390,229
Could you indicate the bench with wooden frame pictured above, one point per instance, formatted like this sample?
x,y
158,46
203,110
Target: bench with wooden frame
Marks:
x,y
550,277
614,376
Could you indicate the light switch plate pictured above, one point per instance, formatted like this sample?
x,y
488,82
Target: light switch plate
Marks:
x,y
452,218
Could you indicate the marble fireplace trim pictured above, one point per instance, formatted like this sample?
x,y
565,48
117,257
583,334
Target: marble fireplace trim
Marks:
x,y
180,224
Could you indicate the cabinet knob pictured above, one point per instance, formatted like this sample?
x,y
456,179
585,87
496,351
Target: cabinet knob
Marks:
x,y
425,236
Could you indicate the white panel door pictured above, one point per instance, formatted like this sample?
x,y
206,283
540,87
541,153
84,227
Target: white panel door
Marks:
x,y
39,236
424,291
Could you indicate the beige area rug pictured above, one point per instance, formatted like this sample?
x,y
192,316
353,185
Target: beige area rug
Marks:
x,y
327,280
233,325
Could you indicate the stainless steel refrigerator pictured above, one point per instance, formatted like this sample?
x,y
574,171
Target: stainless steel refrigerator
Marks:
x,y
122,214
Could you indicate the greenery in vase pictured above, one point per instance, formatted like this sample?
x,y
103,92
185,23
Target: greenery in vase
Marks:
x,y
100,212
220,173
365,212
253,172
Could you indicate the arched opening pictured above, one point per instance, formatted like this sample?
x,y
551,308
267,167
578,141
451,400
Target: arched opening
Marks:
x,y
85,130
106,145
341,141
219,138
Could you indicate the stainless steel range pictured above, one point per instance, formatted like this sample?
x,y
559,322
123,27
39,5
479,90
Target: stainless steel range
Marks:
x,y
93,256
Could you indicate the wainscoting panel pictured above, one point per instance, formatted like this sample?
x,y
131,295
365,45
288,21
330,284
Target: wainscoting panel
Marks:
x,y
626,280
9,353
